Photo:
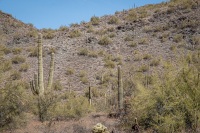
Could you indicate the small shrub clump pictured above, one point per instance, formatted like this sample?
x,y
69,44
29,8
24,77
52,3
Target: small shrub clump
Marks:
x,y
18,59
104,41
95,20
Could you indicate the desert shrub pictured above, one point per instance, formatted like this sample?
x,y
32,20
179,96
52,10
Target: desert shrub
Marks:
x,y
143,41
155,62
104,40
196,40
101,32
24,67
83,52
84,80
82,73
16,75
33,51
74,25
13,104
18,59
132,15
70,71
109,64
63,28
4,49
93,54
113,20
128,38
48,33
137,57
143,68
170,107
74,33
146,57
173,47
142,13
178,38
74,107
95,20
132,44
16,50
111,29
94,92
6,65
57,85
111,35
32,33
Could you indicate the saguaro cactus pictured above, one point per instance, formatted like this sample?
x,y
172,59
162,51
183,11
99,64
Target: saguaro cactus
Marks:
x,y
120,89
37,86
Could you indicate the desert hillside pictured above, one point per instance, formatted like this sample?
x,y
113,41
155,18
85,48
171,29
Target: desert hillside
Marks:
x,y
148,43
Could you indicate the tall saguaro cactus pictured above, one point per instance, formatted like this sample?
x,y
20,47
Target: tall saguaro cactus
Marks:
x,y
120,89
37,86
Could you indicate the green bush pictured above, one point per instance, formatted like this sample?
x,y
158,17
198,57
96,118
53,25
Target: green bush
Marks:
x,y
13,104
170,106
74,107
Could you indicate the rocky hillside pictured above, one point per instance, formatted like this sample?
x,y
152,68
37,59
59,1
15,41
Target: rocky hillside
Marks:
x,y
142,40
147,42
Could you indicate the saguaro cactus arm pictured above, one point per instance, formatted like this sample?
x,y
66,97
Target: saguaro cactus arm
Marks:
x,y
34,85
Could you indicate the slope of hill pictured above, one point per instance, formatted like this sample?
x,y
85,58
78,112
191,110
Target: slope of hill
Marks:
x,y
144,41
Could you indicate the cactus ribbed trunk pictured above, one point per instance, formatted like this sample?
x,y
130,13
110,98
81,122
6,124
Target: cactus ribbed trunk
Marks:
x,y
120,89
51,72
40,66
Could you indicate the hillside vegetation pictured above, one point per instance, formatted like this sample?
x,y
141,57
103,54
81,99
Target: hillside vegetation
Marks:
x,y
138,69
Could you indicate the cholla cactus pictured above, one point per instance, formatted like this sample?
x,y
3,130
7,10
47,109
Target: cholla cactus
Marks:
x,y
99,128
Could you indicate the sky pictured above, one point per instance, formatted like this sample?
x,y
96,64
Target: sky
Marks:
x,y
55,13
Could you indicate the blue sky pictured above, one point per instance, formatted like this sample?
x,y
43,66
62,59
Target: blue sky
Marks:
x,y
54,13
